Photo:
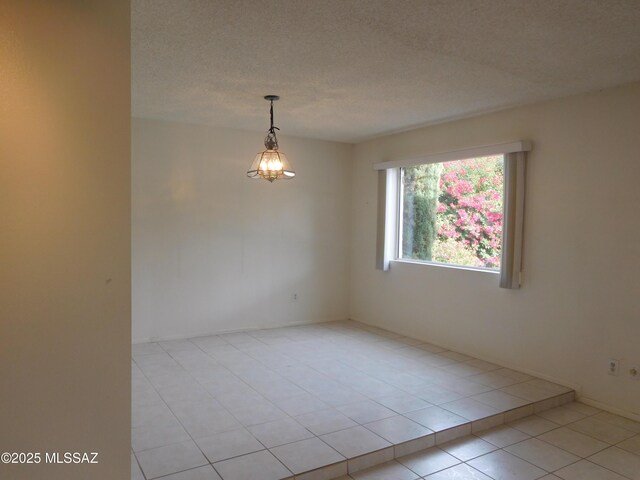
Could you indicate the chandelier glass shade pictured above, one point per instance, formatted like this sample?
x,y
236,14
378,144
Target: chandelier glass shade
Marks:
x,y
271,164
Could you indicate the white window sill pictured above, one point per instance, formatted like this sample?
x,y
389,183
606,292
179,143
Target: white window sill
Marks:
x,y
446,265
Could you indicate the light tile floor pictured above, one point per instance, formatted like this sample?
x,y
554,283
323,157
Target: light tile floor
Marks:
x,y
530,448
320,401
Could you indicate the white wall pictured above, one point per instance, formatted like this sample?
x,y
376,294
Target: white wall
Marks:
x,y
216,251
65,312
580,303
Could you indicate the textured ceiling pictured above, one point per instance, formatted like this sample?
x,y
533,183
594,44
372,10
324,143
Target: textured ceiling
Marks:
x,y
352,69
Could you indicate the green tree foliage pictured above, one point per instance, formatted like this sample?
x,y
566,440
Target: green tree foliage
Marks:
x,y
421,193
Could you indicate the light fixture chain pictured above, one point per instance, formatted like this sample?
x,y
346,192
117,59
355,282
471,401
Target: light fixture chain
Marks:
x,y
271,142
271,113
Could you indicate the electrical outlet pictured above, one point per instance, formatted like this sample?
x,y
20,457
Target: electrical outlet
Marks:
x,y
294,297
634,372
614,367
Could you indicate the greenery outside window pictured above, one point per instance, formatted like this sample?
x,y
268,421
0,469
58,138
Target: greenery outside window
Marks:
x,y
452,212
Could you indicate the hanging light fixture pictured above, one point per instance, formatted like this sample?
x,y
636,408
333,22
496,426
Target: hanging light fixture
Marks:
x,y
271,164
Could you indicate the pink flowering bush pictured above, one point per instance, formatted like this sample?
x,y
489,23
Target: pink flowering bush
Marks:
x,y
469,210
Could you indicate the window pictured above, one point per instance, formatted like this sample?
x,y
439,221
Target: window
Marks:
x,y
461,208
452,212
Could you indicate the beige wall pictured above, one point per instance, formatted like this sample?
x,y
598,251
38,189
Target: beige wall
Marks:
x,y
216,251
580,303
64,241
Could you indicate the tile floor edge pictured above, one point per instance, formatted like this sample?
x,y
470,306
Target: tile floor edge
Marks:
x,y
532,408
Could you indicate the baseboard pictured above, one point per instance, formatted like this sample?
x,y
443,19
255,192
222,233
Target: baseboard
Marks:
x,y
609,408
237,330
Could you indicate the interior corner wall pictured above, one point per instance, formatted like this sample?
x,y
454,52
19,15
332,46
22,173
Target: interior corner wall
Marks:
x,y
580,300
215,251
65,311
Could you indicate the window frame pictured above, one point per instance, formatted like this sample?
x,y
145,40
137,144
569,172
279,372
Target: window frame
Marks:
x,y
515,156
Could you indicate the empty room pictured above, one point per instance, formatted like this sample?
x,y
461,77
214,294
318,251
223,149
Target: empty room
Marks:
x,y
320,240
